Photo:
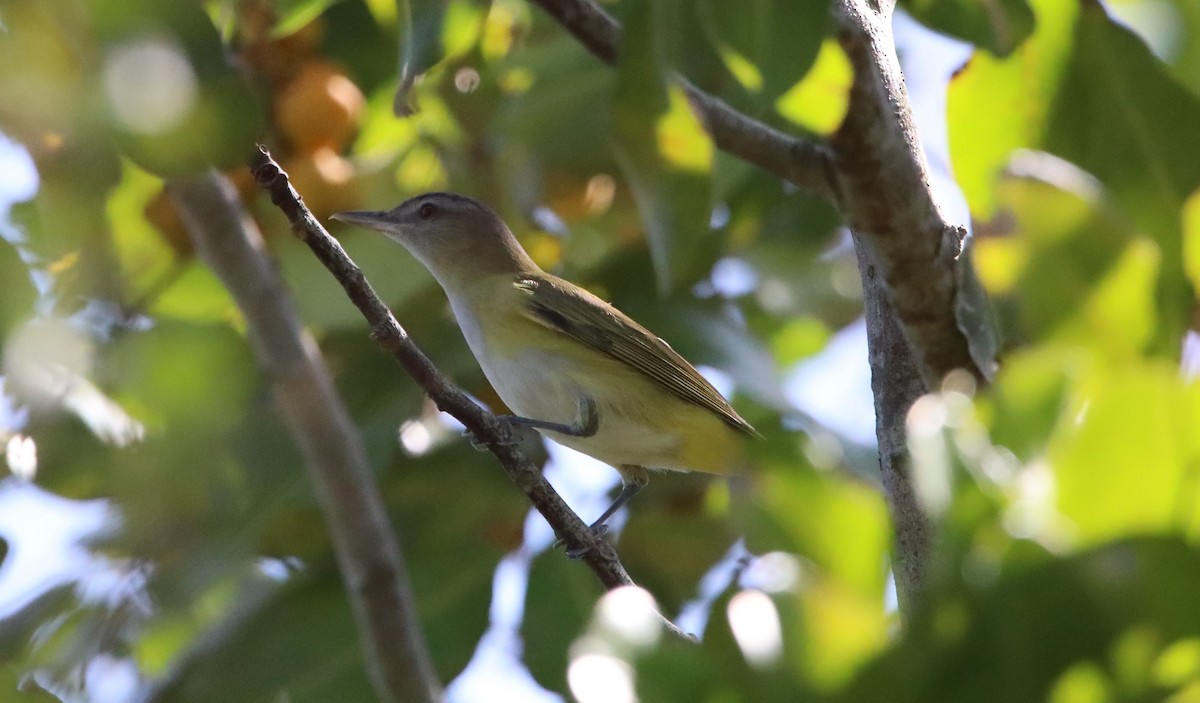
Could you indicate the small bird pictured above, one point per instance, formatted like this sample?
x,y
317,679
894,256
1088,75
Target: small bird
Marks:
x,y
567,363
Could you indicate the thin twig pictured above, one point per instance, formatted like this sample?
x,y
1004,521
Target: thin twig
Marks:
x,y
366,546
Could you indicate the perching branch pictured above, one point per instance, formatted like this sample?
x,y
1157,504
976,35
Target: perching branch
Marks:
x,y
596,552
364,543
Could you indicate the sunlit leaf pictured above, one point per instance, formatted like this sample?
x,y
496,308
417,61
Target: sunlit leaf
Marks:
x,y
291,15
1123,464
819,101
1191,239
767,44
998,105
429,31
673,196
1117,115
999,27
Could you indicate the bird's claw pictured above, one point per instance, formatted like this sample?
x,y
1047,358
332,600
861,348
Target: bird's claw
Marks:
x,y
478,444
512,436
598,531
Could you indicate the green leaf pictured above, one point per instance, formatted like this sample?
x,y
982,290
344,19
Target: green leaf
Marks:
x,y
973,315
1098,98
1125,464
998,105
1171,28
819,101
291,15
1015,637
557,607
767,44
843,528
1072,242
999,27
175,103
16,291
1120,116
301,644
664,153
430,30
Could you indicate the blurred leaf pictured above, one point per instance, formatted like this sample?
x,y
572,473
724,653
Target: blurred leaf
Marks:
x,y
1072,239
420,23
176,103
716,669
1029,395
1191,239
453,501
559,602
1125,464
16,302
429,31
45,100
21,689
776,41
537,128
663,151
1172,29
1012,639
998,105
1118,115
842,630
291,15
301,645
837,514
818,102
999,27
799,339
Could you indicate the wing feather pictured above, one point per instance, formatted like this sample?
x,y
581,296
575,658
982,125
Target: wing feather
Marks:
x,y
602,327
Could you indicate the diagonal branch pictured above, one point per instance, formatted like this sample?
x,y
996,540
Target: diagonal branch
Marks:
x,y
367,550
597,552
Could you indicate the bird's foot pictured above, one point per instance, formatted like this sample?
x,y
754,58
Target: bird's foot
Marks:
x,y
598,531
517,433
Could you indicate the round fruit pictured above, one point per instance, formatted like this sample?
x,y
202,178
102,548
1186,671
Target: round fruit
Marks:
x,y
320,107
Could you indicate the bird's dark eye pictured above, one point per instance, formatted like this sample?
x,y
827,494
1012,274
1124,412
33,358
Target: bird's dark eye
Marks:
x,y
426,211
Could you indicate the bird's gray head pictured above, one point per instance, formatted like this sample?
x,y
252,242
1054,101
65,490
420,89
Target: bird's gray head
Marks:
x,y
453,235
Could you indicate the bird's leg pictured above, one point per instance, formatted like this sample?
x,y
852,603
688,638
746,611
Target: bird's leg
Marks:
x,y
633,480
587,422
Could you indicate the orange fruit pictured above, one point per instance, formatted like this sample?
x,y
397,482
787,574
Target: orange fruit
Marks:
x,y
319,107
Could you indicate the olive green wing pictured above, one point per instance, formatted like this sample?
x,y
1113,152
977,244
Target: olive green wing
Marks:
x,y
585,317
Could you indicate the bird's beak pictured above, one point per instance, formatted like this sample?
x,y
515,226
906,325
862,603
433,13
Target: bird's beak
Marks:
x,y
370,219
